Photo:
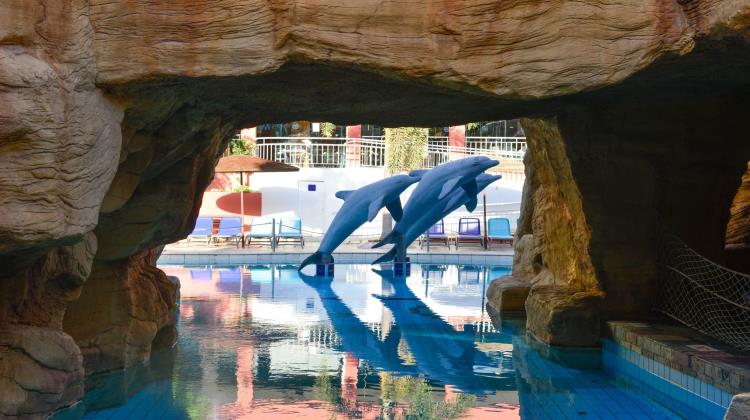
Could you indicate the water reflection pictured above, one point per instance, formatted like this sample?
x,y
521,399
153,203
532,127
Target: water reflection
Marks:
x,y
264,342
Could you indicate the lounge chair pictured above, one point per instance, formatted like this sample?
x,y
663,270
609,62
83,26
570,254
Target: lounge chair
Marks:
x,y
229,229
230,280
469,274
436,233
498,230
262,229
469,231
433,273
201,274
290,231
204,229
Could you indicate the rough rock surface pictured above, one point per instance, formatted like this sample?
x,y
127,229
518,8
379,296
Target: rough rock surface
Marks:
x,y
125,308
40,370
738,228
508,294
739,408
562,316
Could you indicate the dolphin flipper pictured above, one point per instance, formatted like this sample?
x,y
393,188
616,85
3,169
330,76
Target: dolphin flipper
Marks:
x,y
471,188
394,207
471,205
448,187
374,208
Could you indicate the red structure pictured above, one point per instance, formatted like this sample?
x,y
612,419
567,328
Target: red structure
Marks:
x,y
353,148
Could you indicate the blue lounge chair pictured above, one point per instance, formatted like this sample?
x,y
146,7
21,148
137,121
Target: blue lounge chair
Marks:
x,y
229,229
204,228
436,233
262,229
469,231
290,231
202,274
230,280
433,273
469,274
498,229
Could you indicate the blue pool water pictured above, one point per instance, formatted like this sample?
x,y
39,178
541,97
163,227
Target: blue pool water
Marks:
x,y
265,342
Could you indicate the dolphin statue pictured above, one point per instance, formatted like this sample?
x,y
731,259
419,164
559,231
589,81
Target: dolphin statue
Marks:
x,y
402,236
441,180
439,350
360,206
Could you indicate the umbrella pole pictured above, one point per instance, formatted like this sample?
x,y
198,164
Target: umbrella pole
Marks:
x,y
242,209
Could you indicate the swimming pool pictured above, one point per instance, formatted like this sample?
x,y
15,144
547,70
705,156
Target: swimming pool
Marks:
x,y
264,341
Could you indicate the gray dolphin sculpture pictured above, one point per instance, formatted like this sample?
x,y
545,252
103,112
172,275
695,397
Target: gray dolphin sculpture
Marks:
x,y
441,180
402,236
360,206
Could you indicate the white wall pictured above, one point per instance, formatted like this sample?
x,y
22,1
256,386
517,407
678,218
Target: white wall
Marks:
x,y
281,196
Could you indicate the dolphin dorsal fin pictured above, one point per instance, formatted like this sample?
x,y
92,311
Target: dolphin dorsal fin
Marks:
x,y
448,187
471,205
344,194
394,207
374,208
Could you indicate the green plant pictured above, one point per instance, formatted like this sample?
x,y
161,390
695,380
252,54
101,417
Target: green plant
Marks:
x,y
238,146
405,148
327,129
242,188
472,126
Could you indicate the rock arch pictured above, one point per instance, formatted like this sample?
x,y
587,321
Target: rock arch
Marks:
x,y
112,115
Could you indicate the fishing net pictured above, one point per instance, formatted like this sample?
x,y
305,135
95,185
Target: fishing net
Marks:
x,y
702,294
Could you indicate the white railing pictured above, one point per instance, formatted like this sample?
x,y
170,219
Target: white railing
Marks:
x,y
320,152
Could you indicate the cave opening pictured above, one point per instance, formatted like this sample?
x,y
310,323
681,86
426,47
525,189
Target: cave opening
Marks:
x,y
113,139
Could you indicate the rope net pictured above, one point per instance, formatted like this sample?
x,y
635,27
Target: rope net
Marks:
x,y
704,295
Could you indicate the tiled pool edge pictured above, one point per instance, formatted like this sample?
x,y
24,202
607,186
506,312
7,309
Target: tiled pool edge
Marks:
x,y
218,258
660,356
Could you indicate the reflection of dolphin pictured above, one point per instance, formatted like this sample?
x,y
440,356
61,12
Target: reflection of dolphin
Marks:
x,y
356,338
360,205
430,216
439,351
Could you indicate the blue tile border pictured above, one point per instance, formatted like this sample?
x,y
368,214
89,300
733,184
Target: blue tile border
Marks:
x,y
174,258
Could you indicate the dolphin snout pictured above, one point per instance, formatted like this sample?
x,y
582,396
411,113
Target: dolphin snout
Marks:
x,y
489,164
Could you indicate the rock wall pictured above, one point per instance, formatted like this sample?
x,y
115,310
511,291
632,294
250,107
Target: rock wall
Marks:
x,y
738,227
125,309
112,115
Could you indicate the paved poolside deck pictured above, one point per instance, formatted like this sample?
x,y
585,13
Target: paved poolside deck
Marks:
x,y
182,253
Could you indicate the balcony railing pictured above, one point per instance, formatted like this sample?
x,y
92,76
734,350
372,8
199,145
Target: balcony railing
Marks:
x,y
316,152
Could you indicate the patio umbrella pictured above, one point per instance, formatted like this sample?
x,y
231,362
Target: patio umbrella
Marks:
x,y
243,163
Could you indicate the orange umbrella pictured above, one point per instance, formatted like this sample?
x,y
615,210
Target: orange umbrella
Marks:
x,y
243,163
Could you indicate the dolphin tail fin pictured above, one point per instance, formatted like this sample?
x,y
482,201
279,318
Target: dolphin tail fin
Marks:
x,y
316,258
391,238
388,256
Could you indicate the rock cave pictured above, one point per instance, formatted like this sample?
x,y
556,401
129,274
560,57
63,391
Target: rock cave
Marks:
x,y
114,114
